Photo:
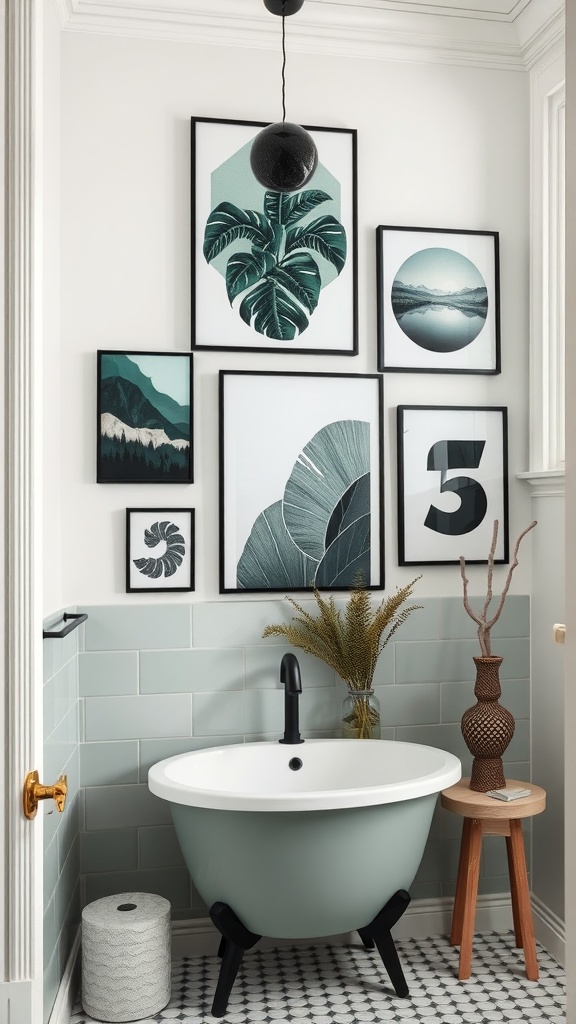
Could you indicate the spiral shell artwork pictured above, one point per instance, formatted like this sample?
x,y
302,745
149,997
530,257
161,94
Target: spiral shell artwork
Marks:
x,y
168,563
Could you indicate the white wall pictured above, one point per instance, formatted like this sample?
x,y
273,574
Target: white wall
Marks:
x,y
438,146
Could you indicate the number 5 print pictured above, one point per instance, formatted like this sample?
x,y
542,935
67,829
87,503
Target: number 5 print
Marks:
x,y
445,455
452,483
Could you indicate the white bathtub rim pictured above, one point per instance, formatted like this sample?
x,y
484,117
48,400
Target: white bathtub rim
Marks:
x,y
447,774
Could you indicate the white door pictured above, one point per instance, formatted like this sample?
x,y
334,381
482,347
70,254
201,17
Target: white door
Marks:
x,y
21,900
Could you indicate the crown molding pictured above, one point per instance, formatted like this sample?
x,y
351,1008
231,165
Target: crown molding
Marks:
x,y
337,29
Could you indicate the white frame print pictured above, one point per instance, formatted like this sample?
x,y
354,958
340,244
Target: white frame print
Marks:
x,y
452,483
301,481
161,541
438,298
272,272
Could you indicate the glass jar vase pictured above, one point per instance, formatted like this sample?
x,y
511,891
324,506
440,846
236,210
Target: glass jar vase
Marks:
x,y
361,715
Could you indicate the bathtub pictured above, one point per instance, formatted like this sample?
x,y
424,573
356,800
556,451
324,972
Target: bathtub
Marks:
x,y
304,840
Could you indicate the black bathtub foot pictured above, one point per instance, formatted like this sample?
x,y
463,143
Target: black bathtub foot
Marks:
x,y
379,932
236,939
367,940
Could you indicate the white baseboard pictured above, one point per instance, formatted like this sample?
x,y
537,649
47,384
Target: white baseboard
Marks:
x,y
69,986
198,936
550,930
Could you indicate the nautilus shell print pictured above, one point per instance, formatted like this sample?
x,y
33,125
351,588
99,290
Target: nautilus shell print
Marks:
x,y
175,549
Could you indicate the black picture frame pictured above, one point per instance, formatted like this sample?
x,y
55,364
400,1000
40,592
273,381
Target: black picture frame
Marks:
x,y
172,532
452,483
257,285
144,433
301,481
438,300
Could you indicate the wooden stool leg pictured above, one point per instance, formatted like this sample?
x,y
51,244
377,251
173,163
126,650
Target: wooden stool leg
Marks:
x,y
469,895
514,895
458,911
519,880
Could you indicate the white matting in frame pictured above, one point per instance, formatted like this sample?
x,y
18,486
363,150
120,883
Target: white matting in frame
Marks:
x,y
438,297
301,480
272,272
452,483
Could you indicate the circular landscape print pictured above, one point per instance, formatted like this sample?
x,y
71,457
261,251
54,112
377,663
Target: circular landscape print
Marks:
x,y
440,300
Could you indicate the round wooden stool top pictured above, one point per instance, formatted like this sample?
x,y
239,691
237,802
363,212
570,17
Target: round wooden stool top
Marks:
x,y
470,804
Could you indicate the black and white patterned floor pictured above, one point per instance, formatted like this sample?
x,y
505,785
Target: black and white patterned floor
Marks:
x,y
348,984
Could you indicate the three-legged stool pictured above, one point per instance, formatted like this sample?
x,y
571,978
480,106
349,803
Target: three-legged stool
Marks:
x,y
483,815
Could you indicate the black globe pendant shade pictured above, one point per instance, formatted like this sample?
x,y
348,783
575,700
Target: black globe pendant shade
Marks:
x,y
283,156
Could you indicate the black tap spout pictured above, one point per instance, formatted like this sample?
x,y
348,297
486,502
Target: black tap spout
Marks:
x,y
292,683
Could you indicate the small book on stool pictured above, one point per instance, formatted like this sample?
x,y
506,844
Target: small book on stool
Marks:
x,y
508,793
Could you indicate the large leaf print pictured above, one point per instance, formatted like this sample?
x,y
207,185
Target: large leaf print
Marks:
x,y
227,223
270,558
272,311
325,236
287,208
348,557
332,462
245,269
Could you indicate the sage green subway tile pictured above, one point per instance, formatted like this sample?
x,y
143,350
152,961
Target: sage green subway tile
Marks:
x,y
108,673
239,624
514,621
115,718
171,883
49,720
385,671
424,622
49,932
418,704
123,807
494,857
217,713
51,979
65,684
264,713
47,659
68,831
319,710
519,747
490,885
113,850
445,737
456,698
519,770
425,890
188,671
50,869
152,751
67,886
158,847
439,861
137,627
109,764
447,661
263,668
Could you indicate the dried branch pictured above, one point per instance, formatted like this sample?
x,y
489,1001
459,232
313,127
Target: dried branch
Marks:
x,y
485,625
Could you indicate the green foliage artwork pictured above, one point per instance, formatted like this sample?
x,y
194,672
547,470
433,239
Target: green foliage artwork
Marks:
x,y
275,258
318,533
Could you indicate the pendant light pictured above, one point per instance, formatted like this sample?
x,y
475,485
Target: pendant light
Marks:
x,y
283,156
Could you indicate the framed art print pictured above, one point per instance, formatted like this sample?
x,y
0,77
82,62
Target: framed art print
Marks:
x,y
144,414
272,271
452,483
438,299
159,549
301,483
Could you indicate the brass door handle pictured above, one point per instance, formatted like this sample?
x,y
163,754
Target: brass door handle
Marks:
x,y
33,792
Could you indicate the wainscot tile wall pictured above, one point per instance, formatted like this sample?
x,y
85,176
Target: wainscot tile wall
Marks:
x,y
62,887
160,679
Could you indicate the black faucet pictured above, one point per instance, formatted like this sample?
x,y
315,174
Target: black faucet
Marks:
x,y
290,679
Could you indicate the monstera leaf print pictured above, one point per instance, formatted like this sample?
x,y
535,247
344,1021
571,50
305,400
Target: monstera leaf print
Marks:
x,y
319,532
166,564
274,267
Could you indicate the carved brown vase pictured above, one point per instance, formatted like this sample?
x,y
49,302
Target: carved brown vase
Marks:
x,y
487,727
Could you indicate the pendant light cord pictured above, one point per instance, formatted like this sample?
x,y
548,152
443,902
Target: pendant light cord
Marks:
x,y
283,62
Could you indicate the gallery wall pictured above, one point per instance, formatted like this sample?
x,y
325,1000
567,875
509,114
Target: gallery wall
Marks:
x,y
438,146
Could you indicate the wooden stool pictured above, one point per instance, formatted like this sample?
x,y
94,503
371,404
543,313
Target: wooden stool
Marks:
x,y
483,815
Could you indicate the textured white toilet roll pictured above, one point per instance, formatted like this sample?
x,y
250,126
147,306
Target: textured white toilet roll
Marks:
x,y
126,962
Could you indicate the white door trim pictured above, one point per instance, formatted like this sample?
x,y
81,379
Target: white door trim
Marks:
x,y
23,491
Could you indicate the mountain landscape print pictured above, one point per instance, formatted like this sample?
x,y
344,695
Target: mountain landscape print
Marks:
x,y
440,300
144,417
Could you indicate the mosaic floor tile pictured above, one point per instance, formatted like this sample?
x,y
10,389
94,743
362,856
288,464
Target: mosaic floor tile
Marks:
x,y
348,985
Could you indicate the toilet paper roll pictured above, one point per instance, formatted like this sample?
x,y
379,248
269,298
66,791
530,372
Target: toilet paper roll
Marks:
x,y
126,962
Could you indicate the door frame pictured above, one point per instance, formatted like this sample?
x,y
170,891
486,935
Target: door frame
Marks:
x,y
21,992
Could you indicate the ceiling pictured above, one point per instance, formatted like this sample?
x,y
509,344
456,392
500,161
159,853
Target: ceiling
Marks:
x,y
504,34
